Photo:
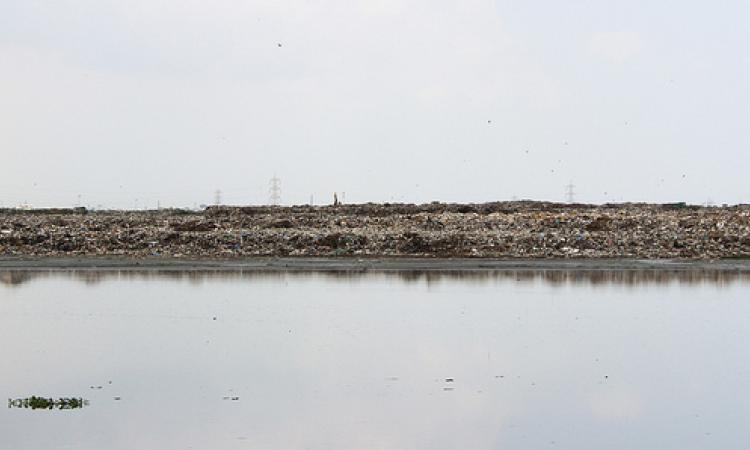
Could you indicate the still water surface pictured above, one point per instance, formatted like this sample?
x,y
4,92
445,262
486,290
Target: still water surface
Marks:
x,y
486,360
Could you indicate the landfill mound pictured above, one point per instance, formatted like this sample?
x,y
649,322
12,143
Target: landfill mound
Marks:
x,y
520,229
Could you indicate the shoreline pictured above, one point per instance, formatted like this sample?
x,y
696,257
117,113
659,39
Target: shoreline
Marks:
x,y
368,264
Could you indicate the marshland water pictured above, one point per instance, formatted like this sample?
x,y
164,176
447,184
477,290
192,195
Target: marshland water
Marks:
x,y
231,359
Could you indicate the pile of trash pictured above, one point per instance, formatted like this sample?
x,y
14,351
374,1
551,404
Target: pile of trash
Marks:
x,y
522,229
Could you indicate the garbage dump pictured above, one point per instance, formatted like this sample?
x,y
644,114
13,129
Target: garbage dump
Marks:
x,y
519,229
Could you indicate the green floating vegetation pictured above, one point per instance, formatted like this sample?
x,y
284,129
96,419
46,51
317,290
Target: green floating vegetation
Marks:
x,y
35,402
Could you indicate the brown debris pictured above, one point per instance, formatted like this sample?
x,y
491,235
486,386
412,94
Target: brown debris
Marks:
x,y
499,230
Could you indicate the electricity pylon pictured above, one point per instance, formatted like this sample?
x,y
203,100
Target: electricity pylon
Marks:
x,y
570,195
274,190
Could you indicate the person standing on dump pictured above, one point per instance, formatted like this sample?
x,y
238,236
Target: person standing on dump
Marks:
x,y
335,199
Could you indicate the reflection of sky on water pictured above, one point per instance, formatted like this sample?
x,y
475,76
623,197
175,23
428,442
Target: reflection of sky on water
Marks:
x,y
352,360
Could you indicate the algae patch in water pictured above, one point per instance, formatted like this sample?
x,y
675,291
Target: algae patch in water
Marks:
x,y
35,402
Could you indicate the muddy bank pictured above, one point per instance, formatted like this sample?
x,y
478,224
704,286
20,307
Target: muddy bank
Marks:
x,y
491,230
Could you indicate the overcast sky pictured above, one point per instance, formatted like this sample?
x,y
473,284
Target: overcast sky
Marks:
x,y
132,102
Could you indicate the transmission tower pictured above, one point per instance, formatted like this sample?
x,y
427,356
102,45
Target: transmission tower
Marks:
x,y
274,190
570,195
217,197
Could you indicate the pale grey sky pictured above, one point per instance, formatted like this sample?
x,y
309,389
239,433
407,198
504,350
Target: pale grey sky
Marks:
x,y
387,100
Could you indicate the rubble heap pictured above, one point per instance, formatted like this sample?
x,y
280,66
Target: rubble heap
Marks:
x,y
499,230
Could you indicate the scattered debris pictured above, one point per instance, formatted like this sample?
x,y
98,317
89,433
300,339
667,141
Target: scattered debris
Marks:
x,y
514,229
